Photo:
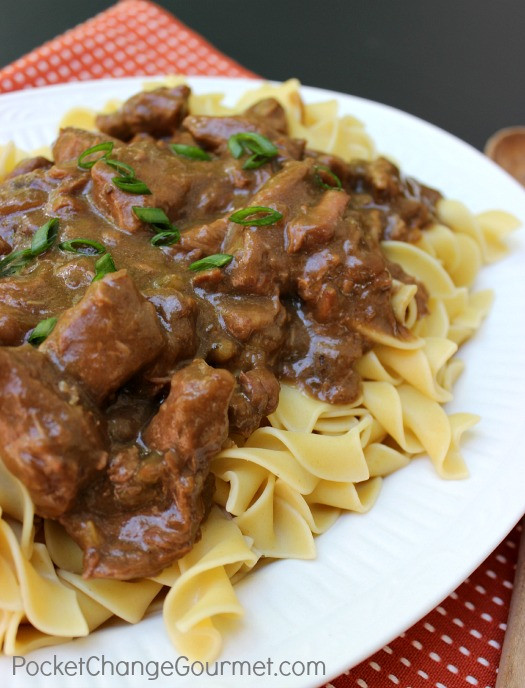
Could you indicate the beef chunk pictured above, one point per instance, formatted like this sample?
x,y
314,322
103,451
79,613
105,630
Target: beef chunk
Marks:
x,y
50,441
178,185
178,314
143,516
20,195
382,177
71,142
412,205
260,267
157,112
245,317
126,417
270,111
26,297
147,511
213,133
256,396
323,356
261,264
67,200
315,225
30,165
262,389
117,204
204,240
258,323
192,422
107,337
20,200
135,479
337,165
287,189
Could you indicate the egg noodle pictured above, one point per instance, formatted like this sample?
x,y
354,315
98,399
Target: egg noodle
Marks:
x,y
292,479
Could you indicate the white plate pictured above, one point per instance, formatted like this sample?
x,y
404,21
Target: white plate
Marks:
x,y
376,574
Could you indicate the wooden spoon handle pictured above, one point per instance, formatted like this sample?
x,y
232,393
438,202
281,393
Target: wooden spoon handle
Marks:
x,y
512,664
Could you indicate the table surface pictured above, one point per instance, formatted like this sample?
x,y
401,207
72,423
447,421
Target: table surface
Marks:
x,y
457,63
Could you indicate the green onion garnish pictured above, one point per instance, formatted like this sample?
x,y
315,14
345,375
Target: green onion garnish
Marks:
x,y
105,146
103,267
44,237
242,217
261,147
127,180
217,260
255,161
256,143
15,261
166,238
193,152
152,216
158,219
122,168
131,185
322,173
87,247
42,331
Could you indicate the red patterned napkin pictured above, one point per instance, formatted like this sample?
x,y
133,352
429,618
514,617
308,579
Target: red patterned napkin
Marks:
x,y
457,645
130,39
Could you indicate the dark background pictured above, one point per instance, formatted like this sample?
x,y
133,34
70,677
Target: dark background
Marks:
x,y
457,63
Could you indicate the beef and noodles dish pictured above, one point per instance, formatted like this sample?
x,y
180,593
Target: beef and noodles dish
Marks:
x,y
159,280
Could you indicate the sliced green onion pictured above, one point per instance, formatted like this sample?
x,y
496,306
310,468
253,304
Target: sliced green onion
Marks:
x,y
44,237
158,219
217,260
122,168
127,180
323,170
105,146
249,140
103,267
131,185
261,147
255,161
244,216
193,152
42,331
166,238
87,247
15,261
236,148
152,216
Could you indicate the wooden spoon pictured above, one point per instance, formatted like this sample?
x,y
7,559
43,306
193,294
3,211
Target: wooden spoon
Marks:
x,y
511,672
507,148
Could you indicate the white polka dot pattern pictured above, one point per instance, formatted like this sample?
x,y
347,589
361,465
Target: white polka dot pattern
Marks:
x,y
458,644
